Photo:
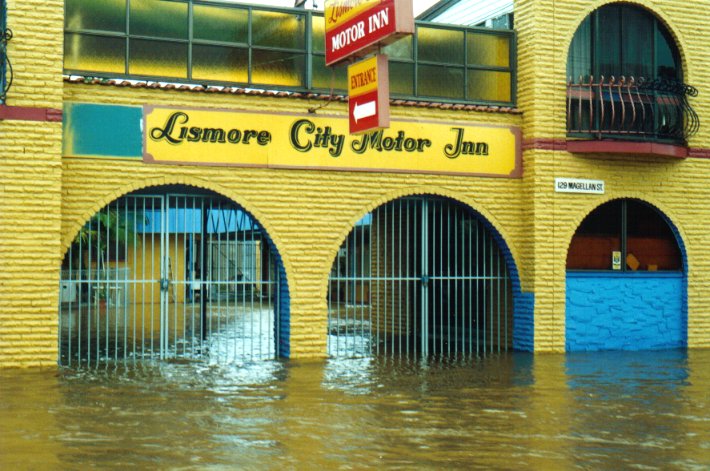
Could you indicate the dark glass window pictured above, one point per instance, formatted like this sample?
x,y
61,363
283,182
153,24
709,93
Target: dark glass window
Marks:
x,y
639,235
623,40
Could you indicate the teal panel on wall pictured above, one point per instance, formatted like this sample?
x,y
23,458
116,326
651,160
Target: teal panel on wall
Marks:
x,y
93,130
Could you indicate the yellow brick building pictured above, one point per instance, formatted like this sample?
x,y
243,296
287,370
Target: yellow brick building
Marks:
x,y
50,190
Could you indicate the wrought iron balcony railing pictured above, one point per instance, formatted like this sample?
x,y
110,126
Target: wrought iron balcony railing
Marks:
x,y
5,65
629,108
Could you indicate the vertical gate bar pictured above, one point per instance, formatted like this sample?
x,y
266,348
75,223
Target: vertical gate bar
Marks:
x,y
498,300
505,270
457,277
192,279
424,290
277,297
407,254
181,264
377,250
370,299
90,294
386,283
124,290
491,304
361,303
153,268
348,255
105,279
479,299
114,284
133,275
484,274
438,206
393,291
204,288
72,289
165,207
448,276
82,275
399,274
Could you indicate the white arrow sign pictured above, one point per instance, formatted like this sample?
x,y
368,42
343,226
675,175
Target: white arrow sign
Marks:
x,y
364,110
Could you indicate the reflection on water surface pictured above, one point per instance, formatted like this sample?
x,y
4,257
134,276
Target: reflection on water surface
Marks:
x,y
646,410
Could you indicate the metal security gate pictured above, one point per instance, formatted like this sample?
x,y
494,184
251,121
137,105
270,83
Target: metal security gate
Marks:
x,y
419,277
169,276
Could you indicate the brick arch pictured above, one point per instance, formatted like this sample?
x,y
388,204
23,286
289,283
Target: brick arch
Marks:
x,y
648,5
420,191
75,226
523,303
664,212
617,310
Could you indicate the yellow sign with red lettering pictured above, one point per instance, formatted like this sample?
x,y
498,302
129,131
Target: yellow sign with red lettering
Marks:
x,y
282,140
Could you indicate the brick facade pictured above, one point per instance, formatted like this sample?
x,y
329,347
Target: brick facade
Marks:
x,y
45,198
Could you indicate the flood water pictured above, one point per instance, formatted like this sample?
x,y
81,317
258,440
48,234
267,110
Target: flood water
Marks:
x,y
513,411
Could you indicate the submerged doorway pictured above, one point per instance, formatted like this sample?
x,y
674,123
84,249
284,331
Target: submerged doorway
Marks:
x,y
626,281
172,273
420,276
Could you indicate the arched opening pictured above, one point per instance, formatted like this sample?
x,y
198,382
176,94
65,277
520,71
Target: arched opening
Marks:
x,y
421,276
626,281
172,272
626,79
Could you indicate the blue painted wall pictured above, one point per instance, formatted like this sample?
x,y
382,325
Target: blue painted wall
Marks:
x,y
625,311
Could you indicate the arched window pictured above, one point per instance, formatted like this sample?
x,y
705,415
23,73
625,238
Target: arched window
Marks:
x,y
625,80
623,40
624,235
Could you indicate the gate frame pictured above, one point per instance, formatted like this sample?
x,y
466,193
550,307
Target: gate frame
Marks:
x,y
523,302
71,227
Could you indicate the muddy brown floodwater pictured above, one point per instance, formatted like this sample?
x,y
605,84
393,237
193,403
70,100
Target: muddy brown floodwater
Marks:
x,y
513,411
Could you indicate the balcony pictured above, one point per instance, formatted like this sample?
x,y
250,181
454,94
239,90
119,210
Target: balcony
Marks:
x,y
629,115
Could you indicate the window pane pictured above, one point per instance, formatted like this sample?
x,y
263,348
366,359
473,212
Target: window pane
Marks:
x,y
637,43
650,239
159,18
400,49
608,41
278,29
667,64
159,58
579,59
439,81
107,15
440,45
401,78
597,237
94,53
278,68
488,85
325,77
318,33
220,24
227,64
488,50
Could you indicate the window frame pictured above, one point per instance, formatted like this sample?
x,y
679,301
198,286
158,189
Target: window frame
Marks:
x,y
309,53
624,238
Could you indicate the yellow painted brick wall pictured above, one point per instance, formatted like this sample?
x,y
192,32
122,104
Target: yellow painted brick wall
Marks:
x,y
30,188
307,213
677,187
